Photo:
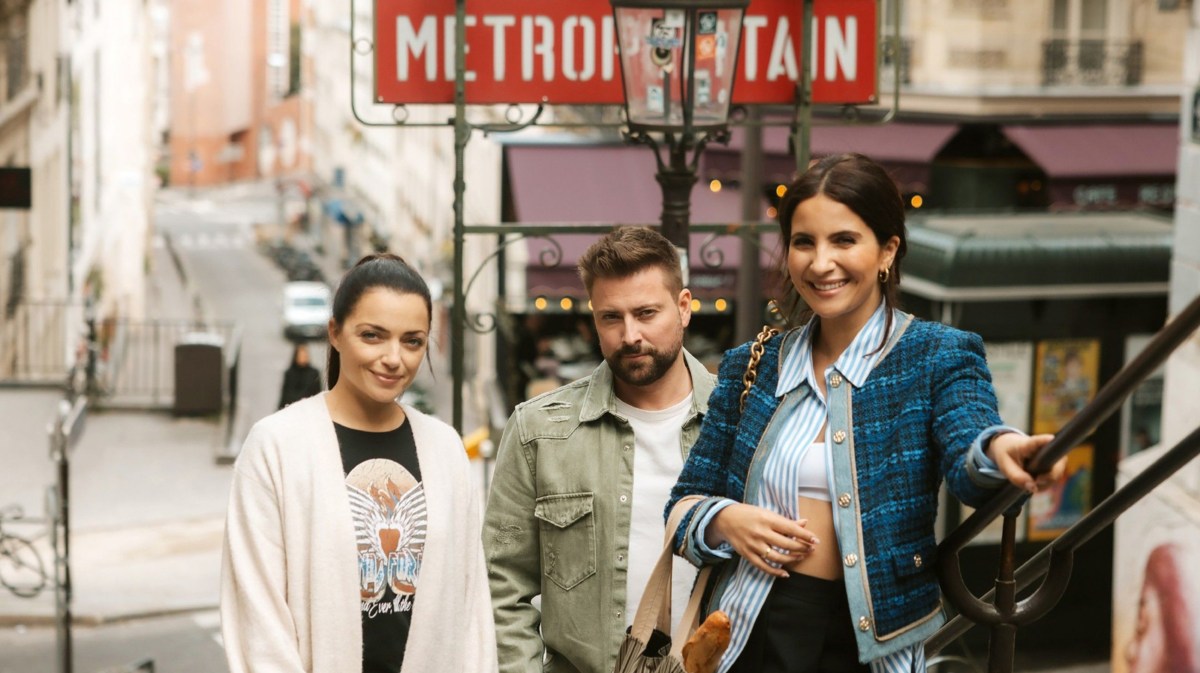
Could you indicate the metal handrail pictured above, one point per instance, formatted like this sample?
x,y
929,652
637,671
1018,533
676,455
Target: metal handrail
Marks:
x,y
1004,614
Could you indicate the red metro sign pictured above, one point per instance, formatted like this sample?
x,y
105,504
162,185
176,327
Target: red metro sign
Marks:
x,y
564,51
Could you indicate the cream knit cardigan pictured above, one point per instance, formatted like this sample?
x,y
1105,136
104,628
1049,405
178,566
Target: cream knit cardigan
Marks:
x,y
290,586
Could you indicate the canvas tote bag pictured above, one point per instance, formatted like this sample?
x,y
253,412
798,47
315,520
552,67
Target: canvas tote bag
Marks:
x,y
652,623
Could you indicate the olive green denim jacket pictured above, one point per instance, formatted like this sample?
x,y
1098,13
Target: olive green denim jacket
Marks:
x,y
557,524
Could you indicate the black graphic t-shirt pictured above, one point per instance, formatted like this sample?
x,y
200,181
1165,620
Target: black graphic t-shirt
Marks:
x,y
387,501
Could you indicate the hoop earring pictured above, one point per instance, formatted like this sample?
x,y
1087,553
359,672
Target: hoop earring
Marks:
x,y
884,276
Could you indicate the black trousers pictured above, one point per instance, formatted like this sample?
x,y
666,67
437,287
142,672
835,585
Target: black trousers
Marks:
x,y
804,627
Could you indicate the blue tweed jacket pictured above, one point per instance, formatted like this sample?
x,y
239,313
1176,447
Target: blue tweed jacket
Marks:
x,y
911,424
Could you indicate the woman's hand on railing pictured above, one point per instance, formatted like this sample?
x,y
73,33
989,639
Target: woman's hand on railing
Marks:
x,y
1011,451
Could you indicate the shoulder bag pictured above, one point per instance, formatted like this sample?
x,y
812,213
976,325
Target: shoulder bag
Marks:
x,y
649,647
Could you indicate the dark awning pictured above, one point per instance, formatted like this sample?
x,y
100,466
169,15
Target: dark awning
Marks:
x,y
599,184
894,143
1050,256
1100,150
613,184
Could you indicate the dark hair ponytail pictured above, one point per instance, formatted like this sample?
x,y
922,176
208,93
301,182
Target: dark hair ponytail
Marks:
x,y
373,271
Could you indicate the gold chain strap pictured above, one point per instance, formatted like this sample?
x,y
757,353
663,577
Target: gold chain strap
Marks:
x,y
756,351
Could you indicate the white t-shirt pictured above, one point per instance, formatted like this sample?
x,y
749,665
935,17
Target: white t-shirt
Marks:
x,y
657,461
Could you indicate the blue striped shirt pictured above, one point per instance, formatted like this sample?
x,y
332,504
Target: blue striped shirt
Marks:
x,y
749,586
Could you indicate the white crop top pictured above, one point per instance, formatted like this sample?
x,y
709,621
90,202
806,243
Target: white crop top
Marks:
x,y
811,481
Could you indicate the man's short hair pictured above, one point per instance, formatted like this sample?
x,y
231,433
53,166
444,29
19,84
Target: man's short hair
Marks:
x,y
625,251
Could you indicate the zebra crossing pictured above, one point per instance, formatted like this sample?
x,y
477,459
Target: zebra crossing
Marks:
x,y
209,213
209,621
205,240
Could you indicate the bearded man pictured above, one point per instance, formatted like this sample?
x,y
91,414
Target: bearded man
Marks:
x,y
574,518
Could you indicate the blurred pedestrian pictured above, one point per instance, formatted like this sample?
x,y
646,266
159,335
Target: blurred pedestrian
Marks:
x,y
821,476
353,534
301,379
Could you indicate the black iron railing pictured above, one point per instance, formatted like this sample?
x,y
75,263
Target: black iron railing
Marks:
x,y
999,609
138,359
119,362
1091,63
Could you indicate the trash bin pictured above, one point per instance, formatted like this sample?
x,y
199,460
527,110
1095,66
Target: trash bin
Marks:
x,y
199,374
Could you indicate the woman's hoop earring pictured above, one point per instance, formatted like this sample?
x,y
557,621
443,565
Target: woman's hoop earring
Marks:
x,y
884,275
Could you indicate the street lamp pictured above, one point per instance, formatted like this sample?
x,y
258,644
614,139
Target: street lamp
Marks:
x,y
678,61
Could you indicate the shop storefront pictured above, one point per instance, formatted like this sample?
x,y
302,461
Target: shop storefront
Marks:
x,y
549,330
1062,302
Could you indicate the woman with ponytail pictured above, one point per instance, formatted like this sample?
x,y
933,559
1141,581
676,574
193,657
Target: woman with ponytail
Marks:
x,y
353,535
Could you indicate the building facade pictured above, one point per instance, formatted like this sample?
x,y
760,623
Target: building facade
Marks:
x,y
76,110
395,184
237,109
32,128
111,139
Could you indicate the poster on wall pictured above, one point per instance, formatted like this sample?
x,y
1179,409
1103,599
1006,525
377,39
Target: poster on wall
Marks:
x,y
1141,416
1011,364
1145,417
1053,511
1066,379
1156,586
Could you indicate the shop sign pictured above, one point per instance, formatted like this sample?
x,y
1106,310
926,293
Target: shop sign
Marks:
x,y
1095,195
564,51
16,188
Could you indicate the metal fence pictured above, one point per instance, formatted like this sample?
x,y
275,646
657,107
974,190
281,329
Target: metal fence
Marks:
x,y
38,340
1091,63
121,362
136,361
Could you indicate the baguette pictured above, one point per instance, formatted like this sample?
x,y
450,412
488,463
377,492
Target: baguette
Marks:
x,y
703,650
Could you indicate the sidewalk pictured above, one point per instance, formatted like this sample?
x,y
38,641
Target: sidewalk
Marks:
x,y
147,502
147,509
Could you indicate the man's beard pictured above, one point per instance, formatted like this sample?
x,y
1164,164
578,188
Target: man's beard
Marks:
x,y
642,372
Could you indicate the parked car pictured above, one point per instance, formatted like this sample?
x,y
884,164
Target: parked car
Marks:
x,y
296,264
307,307
302,267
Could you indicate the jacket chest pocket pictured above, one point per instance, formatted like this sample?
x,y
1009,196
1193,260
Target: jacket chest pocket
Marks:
x,y
568,537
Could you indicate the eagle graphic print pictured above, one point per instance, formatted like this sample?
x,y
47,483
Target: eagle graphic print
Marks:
x,y
388,505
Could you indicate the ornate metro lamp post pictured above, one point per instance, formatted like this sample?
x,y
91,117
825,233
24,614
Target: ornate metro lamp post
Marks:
x,y
678,60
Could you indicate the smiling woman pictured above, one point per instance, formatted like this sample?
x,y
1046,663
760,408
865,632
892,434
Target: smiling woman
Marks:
x,y
378,335
348,504
821,477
